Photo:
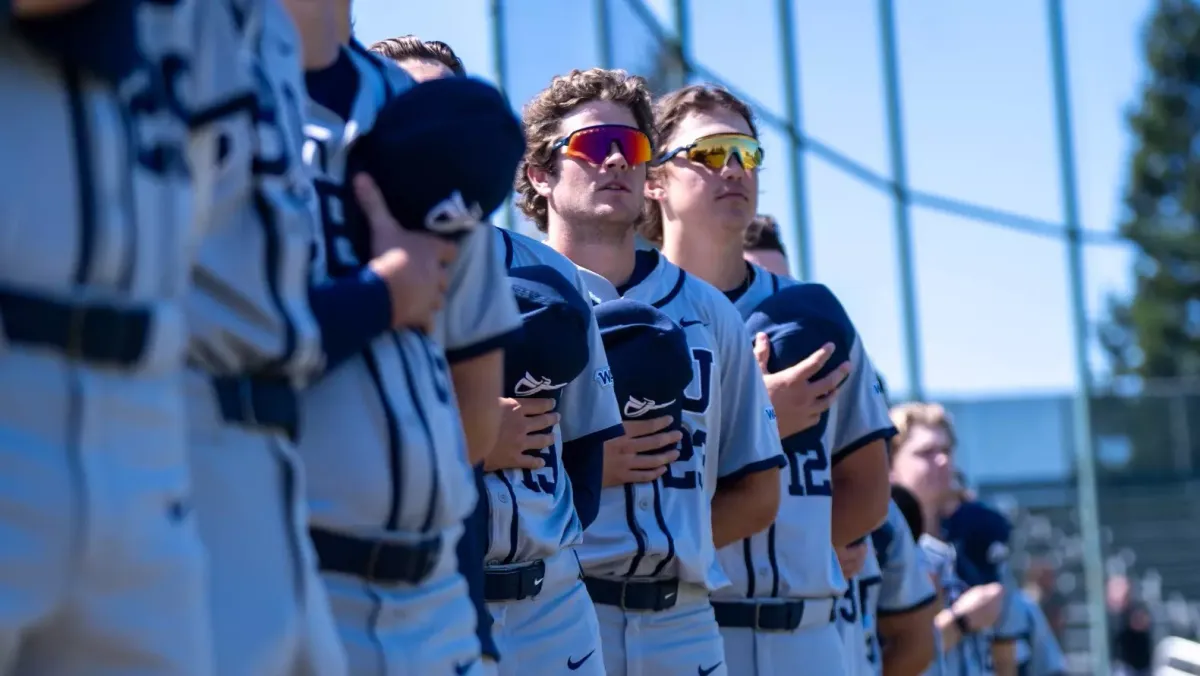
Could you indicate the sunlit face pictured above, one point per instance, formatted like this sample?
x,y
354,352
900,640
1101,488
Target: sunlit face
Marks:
x,y
608,195
713,201
924,464
423,70
770,260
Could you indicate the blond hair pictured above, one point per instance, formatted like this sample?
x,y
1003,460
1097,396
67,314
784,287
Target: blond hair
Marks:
x,y
544,113
908,416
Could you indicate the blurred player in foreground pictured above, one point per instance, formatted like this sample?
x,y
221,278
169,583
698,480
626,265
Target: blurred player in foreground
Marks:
x,y
649,558
922,455
389,451
703,188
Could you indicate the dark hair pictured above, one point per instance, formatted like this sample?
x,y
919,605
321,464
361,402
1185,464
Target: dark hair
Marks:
x,y
910,508
763,235
544,113
412,47
669,112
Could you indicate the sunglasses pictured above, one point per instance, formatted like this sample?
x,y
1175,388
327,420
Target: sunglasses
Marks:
x,y
594,144
714,151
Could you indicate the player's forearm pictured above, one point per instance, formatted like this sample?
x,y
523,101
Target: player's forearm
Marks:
x,y
1004,658
860,493
30,9
478,383
583,461
945,625
351,312
745,507
908,641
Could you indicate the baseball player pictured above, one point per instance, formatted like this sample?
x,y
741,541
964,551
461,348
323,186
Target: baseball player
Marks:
x,y
705,186
391,483
104,569
1038,652
649,558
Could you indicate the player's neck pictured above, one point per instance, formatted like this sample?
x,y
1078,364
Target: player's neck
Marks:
x,y
611,257
715,259
316,23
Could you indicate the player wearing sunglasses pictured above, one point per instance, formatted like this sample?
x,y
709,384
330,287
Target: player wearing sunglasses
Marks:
x,y
671,490
703,192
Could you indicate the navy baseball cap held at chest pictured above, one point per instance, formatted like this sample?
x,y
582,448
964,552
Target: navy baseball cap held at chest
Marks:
x,y
798,321
649,358
444,154
553,347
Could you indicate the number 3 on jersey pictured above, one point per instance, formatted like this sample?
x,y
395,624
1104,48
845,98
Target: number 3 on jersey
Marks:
x,y
702,363
809,471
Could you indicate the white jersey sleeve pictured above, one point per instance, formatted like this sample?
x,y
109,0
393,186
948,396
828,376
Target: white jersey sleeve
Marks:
x,y
907,583
749,440
860,413
1046,656
480,312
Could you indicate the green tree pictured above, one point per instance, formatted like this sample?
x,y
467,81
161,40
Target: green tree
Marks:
x,y
1155,334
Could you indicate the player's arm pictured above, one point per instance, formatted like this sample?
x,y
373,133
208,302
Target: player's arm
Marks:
x,y
908,601
32,9
861,428
749,452
1004,658
480,317
590,417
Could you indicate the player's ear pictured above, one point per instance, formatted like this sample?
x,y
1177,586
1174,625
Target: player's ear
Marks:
x,y
654,189
540,179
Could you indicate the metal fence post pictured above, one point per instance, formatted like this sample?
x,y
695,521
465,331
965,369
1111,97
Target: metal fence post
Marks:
x,y
1089,513
801,263
901,204
500,65
604,34
683,34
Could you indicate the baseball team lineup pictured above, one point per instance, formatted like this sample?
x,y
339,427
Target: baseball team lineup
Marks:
x,y
276,398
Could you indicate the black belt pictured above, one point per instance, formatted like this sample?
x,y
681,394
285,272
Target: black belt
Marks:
x,y
103,335
264,403
514,584
784,616
376,560
656,595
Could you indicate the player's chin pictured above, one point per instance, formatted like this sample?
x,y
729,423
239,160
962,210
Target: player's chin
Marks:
x,y
616,211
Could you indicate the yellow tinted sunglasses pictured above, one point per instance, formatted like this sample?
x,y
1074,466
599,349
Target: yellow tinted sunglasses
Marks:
x,y
714,151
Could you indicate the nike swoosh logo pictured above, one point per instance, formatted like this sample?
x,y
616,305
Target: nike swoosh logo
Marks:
x,y
463,668
684,323
573,665
706,672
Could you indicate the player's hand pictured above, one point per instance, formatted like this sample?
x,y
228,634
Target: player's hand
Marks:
x,y
980,605
520,419
622,462
413,264
799,403
32,9
852,558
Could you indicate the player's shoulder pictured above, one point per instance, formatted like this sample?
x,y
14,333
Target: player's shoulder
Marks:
x,y
396,79
712,306
520,249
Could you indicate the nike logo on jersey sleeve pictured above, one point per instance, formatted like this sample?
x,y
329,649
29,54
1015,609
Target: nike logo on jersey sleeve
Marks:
x,y
636,408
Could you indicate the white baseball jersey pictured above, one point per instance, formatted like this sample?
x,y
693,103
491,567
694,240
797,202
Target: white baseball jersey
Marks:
x,y
538,517
383,441
248,310
1038,652
973,654
663,529
795,557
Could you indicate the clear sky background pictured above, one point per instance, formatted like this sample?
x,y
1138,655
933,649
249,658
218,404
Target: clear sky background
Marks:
x,y
979,118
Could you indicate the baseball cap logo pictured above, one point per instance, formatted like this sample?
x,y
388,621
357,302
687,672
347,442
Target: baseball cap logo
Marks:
x,y
530,385
636,408
452,216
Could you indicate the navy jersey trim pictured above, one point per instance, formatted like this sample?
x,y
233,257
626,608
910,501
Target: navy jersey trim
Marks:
x,y
514,529
862,442
774,283
673,292
508,248
131,160
773,560
274,250
907,609
661,519
419,406
740,290
395,460
775,462
84,172
748,559
638,535
484,346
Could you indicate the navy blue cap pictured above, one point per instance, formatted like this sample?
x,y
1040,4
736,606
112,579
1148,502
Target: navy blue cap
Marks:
x,y
980,537
444,154
649,357
798,320
553,348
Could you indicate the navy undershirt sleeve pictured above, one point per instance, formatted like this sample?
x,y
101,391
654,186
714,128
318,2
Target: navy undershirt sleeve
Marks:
x,y
351,311
583,460
472,547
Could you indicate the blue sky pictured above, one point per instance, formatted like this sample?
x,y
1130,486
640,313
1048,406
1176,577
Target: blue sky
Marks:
x,y
979,118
